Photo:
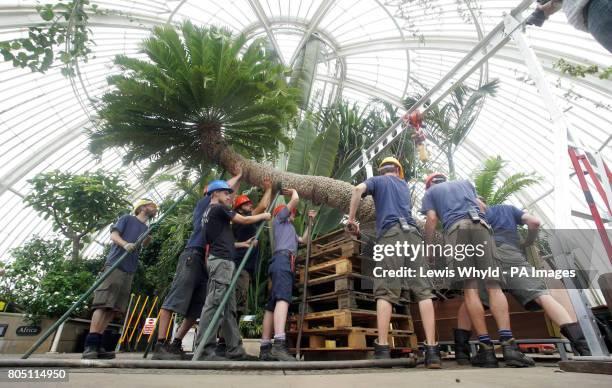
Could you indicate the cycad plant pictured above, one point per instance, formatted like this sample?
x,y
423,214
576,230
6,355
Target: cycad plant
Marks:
x,y
488,185
207,97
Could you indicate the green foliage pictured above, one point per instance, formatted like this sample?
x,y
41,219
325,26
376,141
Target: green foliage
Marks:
x,y
47,41
204,84
486,180
576,70
300,156
254,328
43,282
78,204
449,123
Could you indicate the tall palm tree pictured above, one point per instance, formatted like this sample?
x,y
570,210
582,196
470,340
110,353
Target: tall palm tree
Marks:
x,y
208,97
486,180
449,123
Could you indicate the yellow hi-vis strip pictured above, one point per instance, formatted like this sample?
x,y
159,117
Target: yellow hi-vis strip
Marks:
x,y
138,319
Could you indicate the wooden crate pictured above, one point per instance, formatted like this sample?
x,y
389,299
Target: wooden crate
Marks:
x,y
348,318
341,300
354,338
339,266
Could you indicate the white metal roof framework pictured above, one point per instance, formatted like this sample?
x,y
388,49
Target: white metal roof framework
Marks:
x,y
373,48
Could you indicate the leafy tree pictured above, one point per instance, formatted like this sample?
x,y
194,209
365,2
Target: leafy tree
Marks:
x,y
488,185
78,204
449,123
64,33
43,282
208,97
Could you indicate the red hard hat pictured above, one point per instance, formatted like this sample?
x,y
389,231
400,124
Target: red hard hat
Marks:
x,y
241,200
281,207
431,177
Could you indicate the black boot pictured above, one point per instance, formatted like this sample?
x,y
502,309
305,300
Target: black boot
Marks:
x,y
165,351
381,352
513,356
433,360
104,354
221,348
462,346
280,351
265,352
90,352
573,332
485,357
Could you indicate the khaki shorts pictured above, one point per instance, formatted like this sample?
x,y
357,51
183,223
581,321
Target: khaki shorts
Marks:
x,y
401,289
114,292
524,289
466,232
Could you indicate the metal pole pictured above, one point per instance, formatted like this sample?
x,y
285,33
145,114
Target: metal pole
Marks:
x,y
208,332
125,321
102,277
56,339
304,292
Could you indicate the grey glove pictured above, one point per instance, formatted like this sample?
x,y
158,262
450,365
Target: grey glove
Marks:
x,y
130,247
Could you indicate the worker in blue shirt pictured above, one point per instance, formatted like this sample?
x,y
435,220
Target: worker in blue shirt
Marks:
x,y
464,224
530,292
395,224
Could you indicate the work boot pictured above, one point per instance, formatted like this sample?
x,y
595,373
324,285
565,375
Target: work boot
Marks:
x,y
462,346
485,357
90,352
177,347
433,360
221,349
381,352
165,351
242,357
280,351
211,357
574,334
513,356
265,353
104,354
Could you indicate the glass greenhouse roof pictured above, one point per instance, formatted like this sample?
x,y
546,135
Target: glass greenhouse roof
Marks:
x,y
373,49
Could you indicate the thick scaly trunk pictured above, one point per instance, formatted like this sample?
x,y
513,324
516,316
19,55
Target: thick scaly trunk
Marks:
x,y
318,189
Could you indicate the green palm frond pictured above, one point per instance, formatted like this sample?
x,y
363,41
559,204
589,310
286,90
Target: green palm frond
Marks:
x,y
486,181
194,79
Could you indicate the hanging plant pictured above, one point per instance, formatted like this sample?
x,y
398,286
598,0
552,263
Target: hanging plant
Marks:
x,y
64,35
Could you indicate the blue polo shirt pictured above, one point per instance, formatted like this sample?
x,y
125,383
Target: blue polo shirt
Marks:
x,y
391,199
504,219
197,240
451,201
129,228
285,237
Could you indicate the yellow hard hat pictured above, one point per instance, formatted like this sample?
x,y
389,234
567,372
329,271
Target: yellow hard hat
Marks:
x,y
392,160
142,202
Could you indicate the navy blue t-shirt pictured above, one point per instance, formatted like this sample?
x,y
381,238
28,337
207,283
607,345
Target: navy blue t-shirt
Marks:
x,y
451,201
391,200
196,240
243,233
504,220
129,228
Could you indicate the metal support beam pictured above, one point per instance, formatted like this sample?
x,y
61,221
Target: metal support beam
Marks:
x,y
261,15
477,56
562,252
314,23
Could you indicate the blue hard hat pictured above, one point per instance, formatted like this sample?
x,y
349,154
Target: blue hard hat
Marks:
x,y
217,185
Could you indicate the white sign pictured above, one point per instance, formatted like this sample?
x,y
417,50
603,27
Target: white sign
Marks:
x,y
149,325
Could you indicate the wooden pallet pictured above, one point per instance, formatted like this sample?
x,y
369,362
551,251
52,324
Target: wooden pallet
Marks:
x,y
355,338
339,266
341,300
344,247
348,318
337,283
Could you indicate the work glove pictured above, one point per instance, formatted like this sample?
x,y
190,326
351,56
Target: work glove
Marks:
x,y
130,247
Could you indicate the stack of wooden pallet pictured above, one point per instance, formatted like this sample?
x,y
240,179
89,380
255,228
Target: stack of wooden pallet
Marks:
x,y
340,310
